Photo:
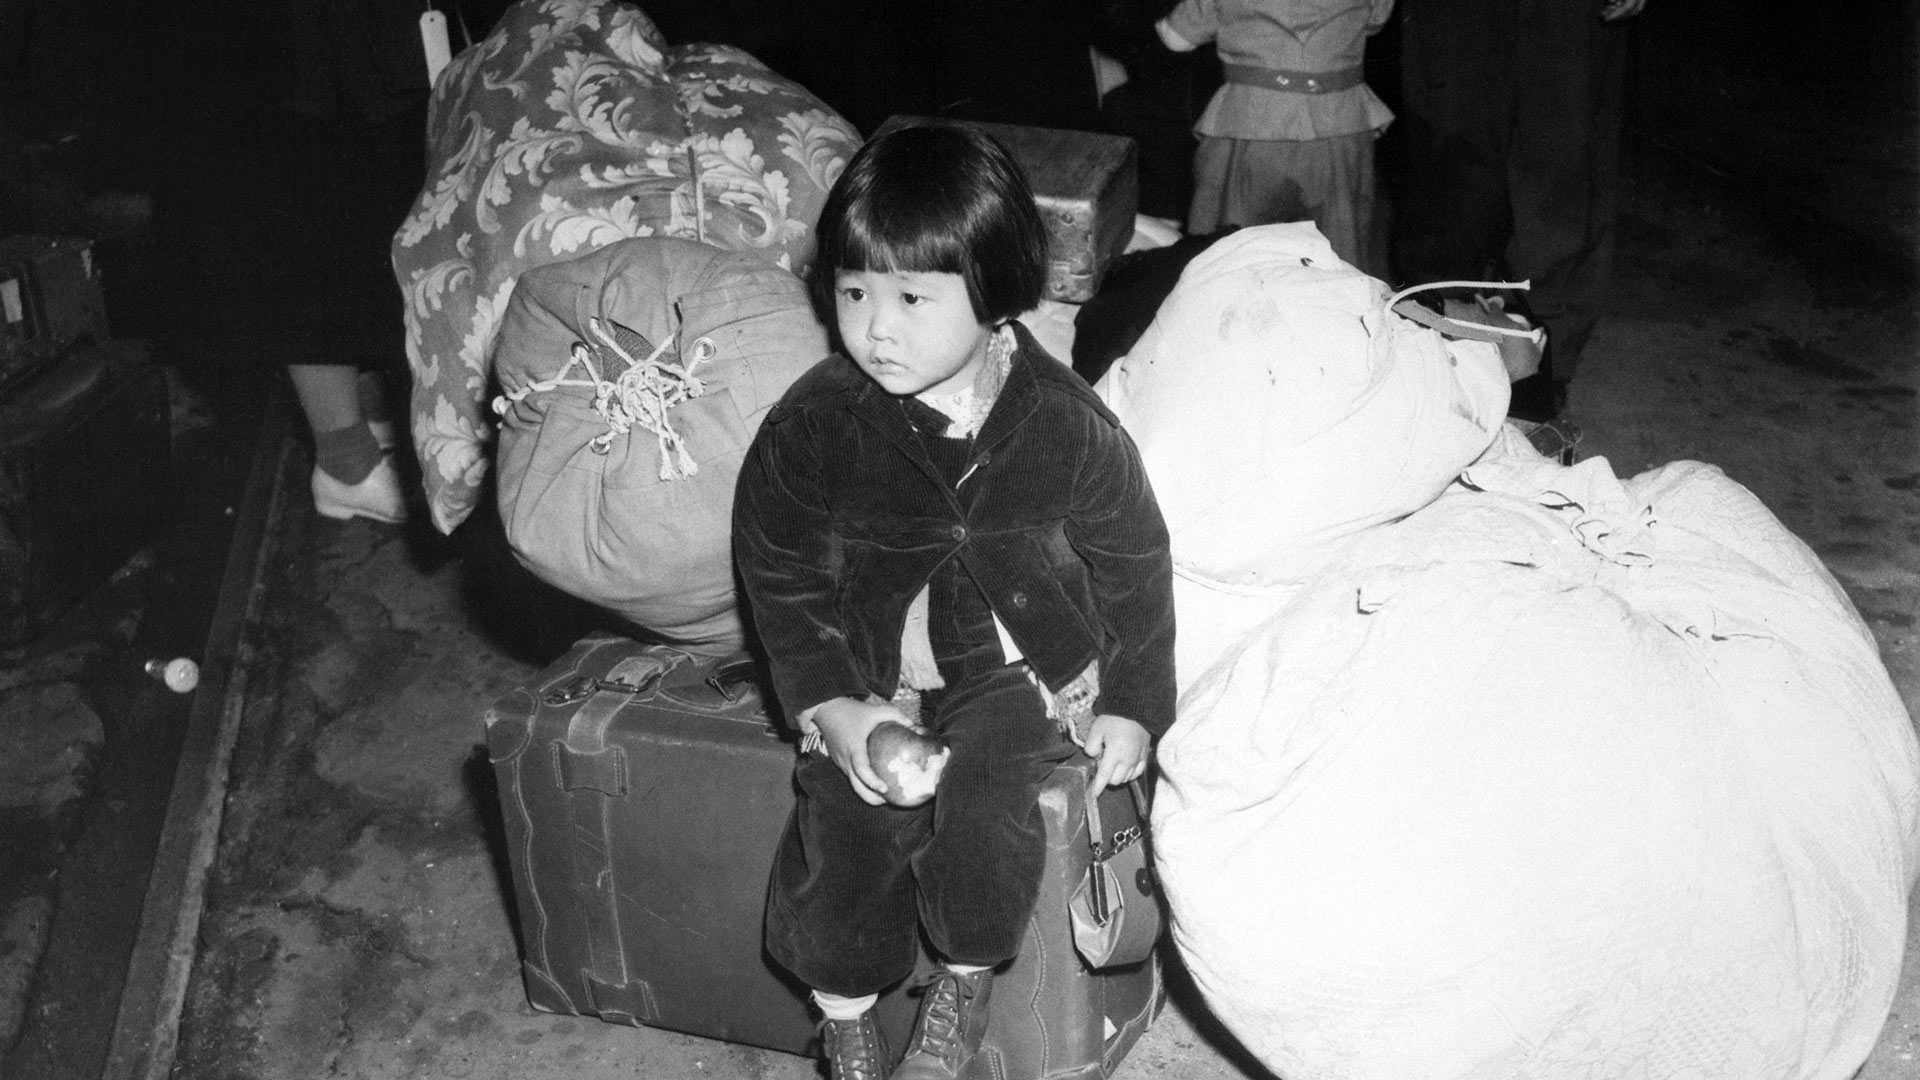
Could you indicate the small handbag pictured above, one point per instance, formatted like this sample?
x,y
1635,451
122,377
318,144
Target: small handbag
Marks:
x,y
1116,910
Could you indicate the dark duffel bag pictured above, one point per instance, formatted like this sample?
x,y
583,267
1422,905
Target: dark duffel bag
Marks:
x,y
84,477
644,790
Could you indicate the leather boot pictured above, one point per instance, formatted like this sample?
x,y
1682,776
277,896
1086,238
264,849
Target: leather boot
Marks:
x,y
855,1049
952,1021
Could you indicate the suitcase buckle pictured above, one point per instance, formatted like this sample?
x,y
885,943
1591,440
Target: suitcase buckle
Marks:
x,y
570,691
582,686
621,686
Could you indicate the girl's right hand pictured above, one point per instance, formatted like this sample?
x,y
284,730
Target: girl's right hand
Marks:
x,y
844,725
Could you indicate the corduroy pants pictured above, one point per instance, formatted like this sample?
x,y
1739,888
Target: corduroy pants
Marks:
x,y
854,885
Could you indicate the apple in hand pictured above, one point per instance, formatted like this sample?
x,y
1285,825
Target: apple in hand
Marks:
x,y
909,759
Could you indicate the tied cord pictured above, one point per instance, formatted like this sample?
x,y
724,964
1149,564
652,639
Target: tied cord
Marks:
x,y
1458,327
639,396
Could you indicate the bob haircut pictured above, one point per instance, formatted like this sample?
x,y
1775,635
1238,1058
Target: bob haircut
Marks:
x,y
936,198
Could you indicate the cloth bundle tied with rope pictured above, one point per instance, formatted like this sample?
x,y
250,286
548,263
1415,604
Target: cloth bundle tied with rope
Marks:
x,y
640,393
631,380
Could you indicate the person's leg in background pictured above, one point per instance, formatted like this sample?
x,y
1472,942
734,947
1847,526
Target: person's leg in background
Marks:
x,y
1461,85
352,474
343,318
1564,171
1513,114
1452,217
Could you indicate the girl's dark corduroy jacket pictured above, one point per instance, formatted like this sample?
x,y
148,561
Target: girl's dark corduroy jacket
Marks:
x,y
840,517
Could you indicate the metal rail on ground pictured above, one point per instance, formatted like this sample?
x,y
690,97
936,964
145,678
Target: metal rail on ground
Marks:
x,y
145,1032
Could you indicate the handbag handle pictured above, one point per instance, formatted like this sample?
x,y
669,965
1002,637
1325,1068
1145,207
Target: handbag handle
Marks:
x,y
1101,906
1097,834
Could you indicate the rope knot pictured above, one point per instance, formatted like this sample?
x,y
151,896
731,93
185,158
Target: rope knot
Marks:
x,y
652,380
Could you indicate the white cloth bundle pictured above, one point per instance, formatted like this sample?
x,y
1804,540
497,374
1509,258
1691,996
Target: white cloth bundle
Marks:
x,y
1559,777
1281,409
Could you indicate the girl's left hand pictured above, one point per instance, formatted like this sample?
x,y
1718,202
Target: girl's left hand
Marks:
x,y
1119,746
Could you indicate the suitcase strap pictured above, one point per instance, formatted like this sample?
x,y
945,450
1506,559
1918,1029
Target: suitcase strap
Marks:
x,y
583,760
628,1003
594,774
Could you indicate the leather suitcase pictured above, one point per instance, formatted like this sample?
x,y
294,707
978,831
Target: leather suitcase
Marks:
x,y
84,477
1087,186
643,792
50,299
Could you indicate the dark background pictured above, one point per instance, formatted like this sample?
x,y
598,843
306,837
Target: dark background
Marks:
x,y
137,122
100,98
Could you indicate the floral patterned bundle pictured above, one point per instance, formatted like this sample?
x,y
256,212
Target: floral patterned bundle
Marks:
x,y
575,124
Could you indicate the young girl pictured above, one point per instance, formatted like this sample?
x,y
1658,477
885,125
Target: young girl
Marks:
x,y
945,521
1289,135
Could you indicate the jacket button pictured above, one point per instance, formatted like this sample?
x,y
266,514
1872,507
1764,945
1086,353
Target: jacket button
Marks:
x,y
958,532
1019,600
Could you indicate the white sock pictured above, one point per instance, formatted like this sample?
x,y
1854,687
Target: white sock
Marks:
x,y
843,1008
968,969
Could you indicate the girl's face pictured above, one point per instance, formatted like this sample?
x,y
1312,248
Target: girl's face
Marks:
x,y
910,331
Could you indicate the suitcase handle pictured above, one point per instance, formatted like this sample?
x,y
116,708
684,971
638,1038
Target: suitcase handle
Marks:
x,y
728,678
724,687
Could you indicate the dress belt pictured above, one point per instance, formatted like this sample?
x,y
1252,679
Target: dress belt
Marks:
x,y
1294,82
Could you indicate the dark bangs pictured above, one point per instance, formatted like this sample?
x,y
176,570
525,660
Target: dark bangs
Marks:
x,y
938,198
908,227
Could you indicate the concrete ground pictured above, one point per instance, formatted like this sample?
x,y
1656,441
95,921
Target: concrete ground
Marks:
x,y
354,920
